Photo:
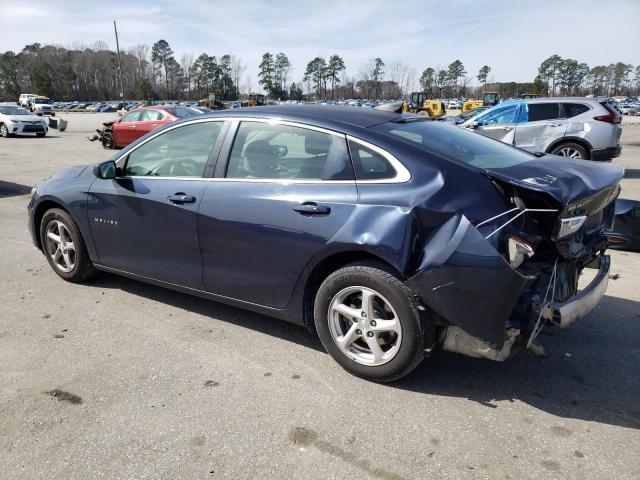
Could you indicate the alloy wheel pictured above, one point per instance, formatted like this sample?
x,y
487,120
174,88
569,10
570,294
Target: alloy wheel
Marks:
x,y
569,152
4,131
364,326
60,246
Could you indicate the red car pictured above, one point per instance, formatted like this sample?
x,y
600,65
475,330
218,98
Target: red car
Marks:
x,y
139,122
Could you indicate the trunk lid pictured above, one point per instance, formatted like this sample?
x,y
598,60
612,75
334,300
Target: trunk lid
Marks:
x,y
565,180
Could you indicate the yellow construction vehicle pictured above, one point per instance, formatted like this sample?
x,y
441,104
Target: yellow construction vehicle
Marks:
x,y
255,100
213,101
489,99
421,105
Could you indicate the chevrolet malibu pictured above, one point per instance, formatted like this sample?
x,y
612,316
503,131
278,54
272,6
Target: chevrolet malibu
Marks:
x,y
388,234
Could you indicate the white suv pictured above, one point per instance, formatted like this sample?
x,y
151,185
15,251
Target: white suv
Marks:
x,y
575,127
25,100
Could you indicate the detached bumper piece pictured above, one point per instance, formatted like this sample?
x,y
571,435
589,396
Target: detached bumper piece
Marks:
x,y
565,313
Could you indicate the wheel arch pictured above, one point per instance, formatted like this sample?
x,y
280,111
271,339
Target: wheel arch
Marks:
x,y
329,264
39,212
580,141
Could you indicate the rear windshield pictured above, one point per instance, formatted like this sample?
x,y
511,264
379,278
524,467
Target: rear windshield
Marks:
x,y
456,144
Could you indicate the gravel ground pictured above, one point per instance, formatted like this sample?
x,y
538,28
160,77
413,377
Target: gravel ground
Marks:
x,y
117,379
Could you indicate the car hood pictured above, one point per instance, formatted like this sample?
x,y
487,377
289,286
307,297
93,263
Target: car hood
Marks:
x,y
563,179
25,118
70,172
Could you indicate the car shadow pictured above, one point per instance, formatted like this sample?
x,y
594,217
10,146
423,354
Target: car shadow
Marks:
x,y
592,371
218,311
10,189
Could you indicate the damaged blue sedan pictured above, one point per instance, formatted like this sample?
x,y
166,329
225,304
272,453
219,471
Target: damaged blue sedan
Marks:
x,y
388,234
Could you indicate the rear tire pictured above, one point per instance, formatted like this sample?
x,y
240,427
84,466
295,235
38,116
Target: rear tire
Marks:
x,y
571,150
381,341
63,246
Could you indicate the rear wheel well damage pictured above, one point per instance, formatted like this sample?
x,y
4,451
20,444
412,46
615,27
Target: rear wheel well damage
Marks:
x,y
329,265
337,261
41,209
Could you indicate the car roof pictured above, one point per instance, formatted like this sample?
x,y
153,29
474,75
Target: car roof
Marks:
x,y
326,114
557,100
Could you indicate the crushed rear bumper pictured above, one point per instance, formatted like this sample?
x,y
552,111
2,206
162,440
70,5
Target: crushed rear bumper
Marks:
x,y
578,306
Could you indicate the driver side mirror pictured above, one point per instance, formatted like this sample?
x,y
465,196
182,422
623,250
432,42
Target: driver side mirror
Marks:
x,y
106,170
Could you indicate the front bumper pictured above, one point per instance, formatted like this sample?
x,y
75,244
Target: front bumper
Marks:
x,y
565,313
604,154
18,128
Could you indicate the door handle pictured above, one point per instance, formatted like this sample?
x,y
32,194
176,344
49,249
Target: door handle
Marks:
x,y
180,198
312,208
132,126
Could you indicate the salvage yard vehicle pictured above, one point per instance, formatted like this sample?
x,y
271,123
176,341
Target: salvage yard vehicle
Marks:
x,y
489,99
41,106
25,99
576,127
139,122
421,105
386,233
16,120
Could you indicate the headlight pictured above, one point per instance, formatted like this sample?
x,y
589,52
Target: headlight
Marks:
x,y
570,225
518,251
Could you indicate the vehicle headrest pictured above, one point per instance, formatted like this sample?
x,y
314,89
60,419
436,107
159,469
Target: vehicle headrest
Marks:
x,y
317,143
259,158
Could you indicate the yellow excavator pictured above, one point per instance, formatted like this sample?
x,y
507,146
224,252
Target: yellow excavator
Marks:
x,y
489,99
420,104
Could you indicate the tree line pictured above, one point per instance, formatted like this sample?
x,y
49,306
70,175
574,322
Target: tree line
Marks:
x,y
151,73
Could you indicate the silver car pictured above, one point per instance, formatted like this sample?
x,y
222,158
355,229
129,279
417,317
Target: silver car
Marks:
x,y
575,127
16,120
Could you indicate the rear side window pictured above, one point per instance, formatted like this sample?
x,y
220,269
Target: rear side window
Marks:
x,y
573,109
284,152
369,164
150,116
543,111
132,116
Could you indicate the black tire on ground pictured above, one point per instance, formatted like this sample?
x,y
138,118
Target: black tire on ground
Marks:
x,y
83,268
571,150
41,134
107,141
4,131
379,278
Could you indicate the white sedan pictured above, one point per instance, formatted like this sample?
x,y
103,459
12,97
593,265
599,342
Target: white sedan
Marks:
x,y
16,120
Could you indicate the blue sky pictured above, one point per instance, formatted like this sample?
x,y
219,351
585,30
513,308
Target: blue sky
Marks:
x,y
513,37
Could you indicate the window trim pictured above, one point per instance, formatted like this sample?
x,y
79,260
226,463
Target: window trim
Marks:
x,y
222,155
211,161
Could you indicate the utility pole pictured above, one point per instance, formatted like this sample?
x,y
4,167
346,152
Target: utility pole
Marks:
x,y
119,65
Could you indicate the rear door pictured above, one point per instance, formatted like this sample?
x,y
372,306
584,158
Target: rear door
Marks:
x,y
145,220
544,123
149,120
285,191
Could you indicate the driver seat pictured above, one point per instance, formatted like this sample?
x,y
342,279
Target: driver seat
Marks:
x,y
259,159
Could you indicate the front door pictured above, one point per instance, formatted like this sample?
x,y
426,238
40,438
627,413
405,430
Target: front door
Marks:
x,y
124,131
286,192
144,221
498,123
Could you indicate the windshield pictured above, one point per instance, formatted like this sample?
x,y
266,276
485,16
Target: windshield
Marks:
x,y
41,100
456,144
473,112
11,110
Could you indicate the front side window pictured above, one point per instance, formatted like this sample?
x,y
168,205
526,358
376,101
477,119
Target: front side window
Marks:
x,y
283,152
500,115
543,111
179,152
150,116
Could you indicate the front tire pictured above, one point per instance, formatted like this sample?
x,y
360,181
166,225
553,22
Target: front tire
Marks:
x,y
571,150
63,246
368,321
4,131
